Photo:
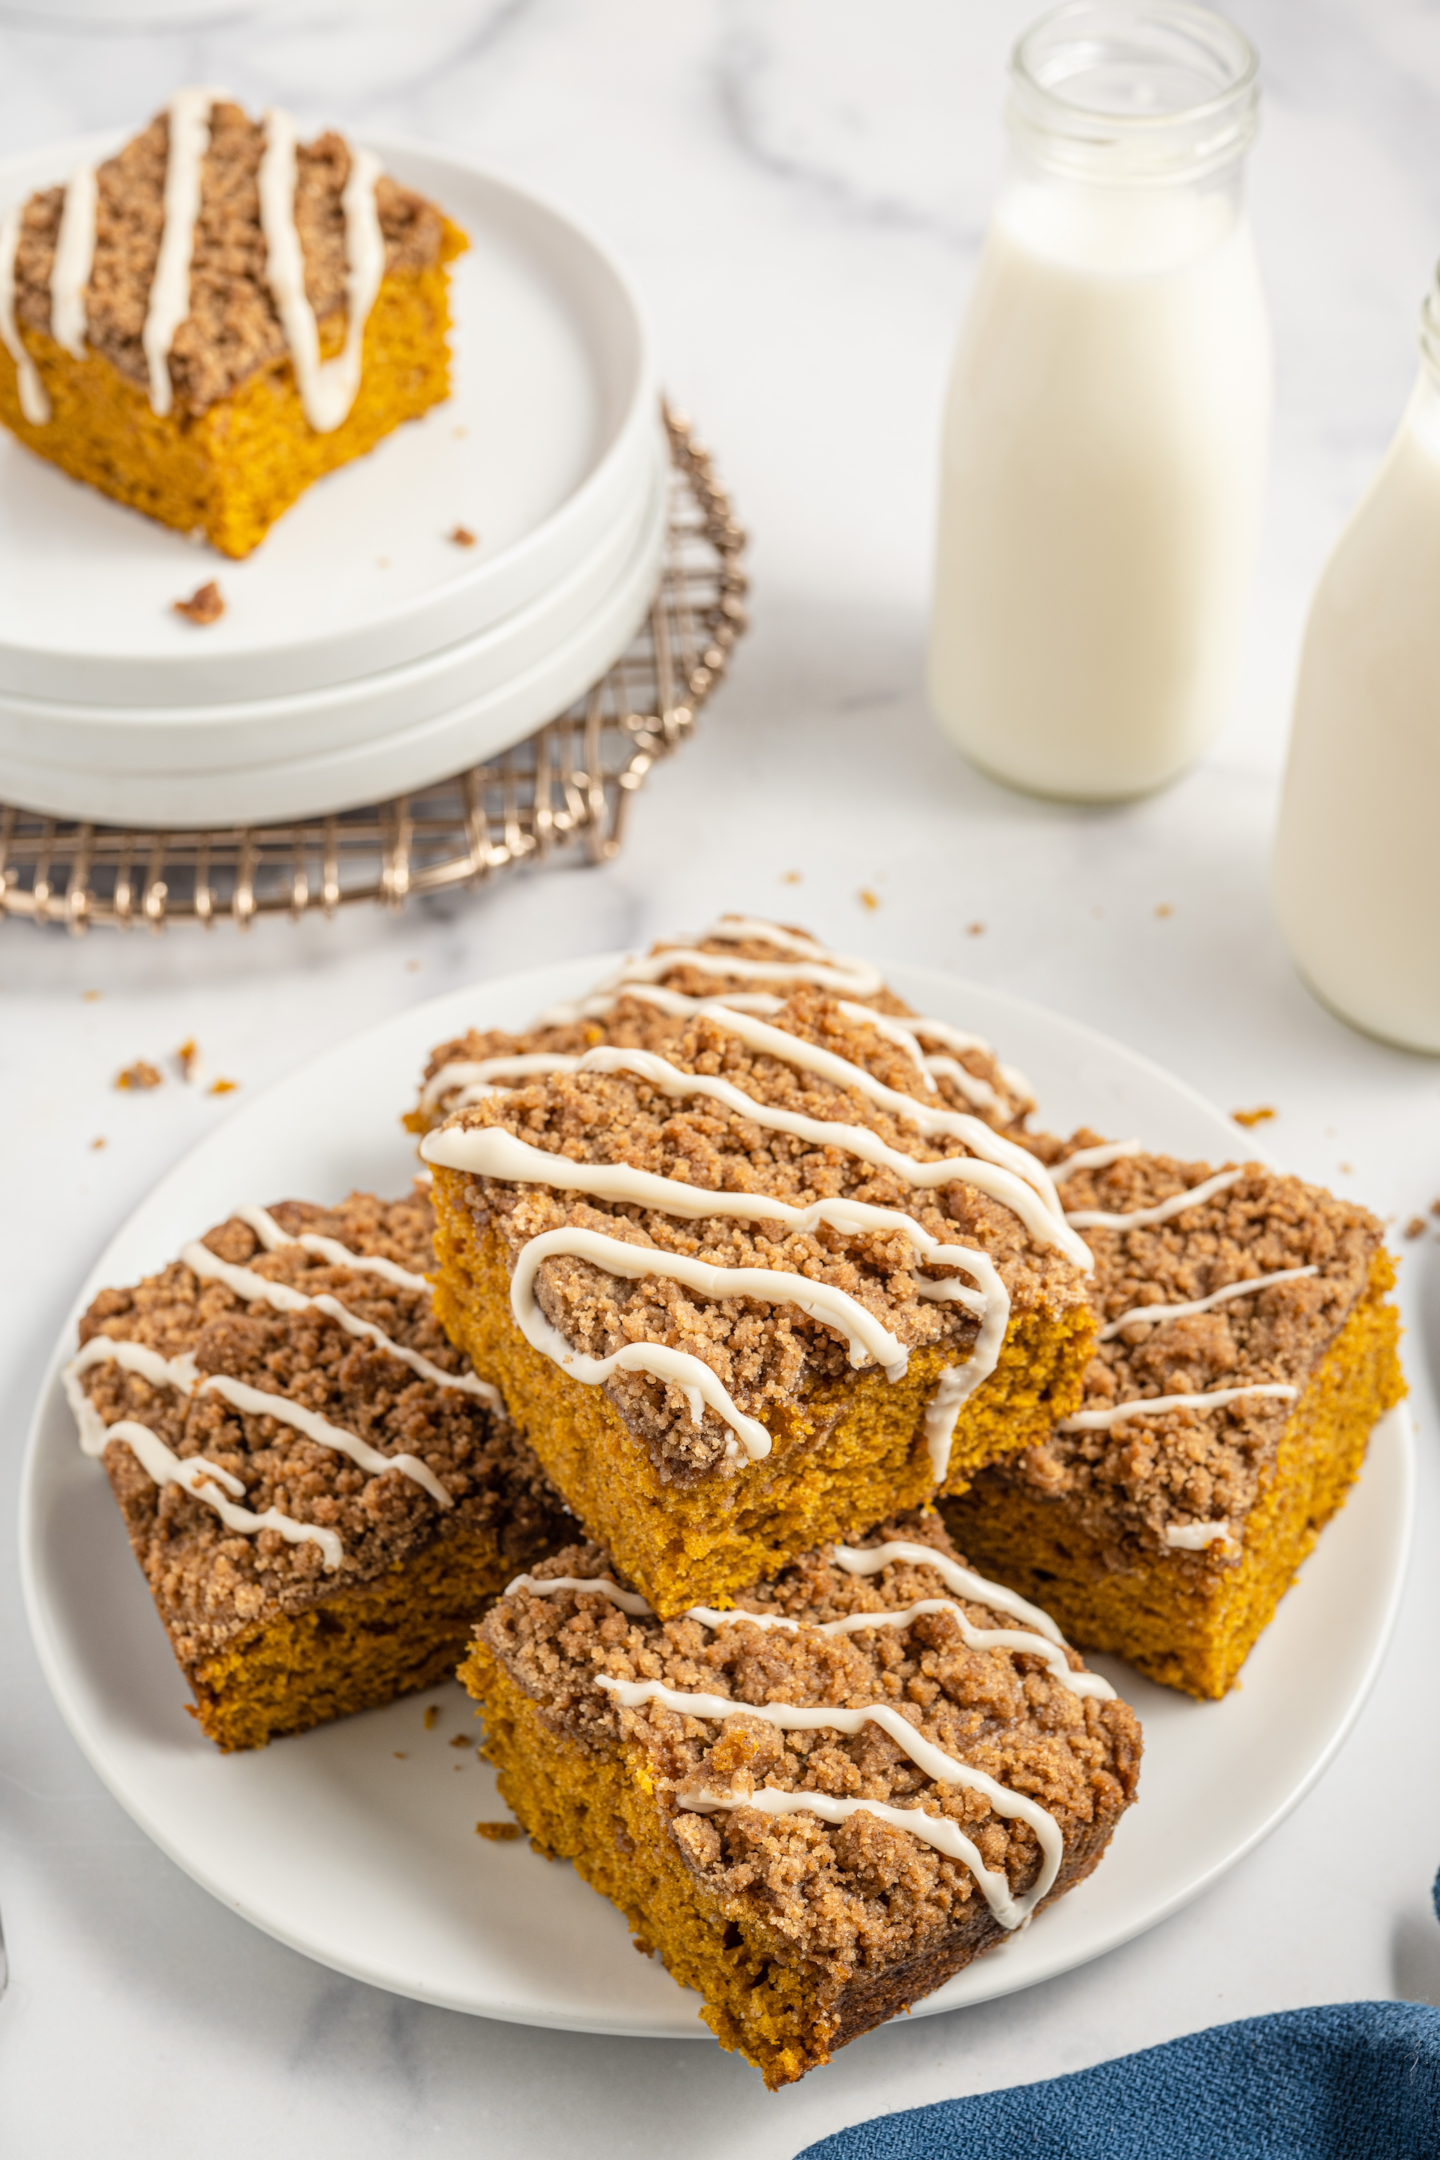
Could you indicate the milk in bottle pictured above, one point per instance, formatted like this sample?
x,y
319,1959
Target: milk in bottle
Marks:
x,y
1357,858
1107,429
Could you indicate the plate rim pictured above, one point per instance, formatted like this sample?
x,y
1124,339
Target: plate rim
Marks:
x,y
404,759
556,976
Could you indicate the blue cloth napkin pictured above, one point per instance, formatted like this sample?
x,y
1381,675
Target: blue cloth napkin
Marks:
x,y
1351,2081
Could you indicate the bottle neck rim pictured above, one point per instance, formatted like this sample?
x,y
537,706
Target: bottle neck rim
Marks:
x,y
1133,93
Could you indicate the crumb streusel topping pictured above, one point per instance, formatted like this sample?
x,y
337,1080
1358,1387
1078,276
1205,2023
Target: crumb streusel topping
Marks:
x,y
1142,1475
858,1893
211,1581
762,1352
233,329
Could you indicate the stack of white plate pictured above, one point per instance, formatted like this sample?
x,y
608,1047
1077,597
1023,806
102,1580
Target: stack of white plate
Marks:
x,y
364,650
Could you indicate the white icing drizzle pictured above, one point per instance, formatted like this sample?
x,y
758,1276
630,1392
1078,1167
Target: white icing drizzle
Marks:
x,y
1095,1158
169,302
957,1383
637,979
1195,1536
894,1031
490,1151
203,1479
183,1374
853,980
34,403
472,1076
1144,1218
976,1091
945,1836
1017,1168
327,388
987,1174
272,1237
679,1367
960,1039
247,1284
1158,1405
944,1769
74,255
793,1050
1031,1644
752,929
1199,1305
870,1559
218,1488
677,1002
866,1336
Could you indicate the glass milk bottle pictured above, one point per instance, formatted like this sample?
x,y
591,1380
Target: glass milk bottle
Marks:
x,y
1107,430
1357,858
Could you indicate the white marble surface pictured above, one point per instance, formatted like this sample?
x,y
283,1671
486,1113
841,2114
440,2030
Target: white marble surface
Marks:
x,y
799,186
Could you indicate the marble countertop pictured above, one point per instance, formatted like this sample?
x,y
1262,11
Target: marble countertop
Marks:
x,y
799,187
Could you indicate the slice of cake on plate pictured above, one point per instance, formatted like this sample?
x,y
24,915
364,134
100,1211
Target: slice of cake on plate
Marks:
x,y
815,1807
203,324
321,1494
1247,1350
749,966
753,1283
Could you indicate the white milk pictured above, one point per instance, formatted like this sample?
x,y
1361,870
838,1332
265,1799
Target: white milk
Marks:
x,y
1357,859
1107,430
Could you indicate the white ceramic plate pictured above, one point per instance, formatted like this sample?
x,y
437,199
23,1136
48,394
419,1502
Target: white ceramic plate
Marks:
x,y
356,1844
450,728
540,449
173,740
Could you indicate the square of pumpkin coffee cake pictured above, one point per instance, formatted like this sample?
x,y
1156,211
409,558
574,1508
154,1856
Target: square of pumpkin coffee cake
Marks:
x,y
750,1279
321,1494
1246,1351
817,1806
208,321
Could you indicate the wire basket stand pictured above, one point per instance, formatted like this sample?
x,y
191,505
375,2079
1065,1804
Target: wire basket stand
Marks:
x,y
564,792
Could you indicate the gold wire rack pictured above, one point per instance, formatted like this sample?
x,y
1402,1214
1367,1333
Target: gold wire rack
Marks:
x,y
565,791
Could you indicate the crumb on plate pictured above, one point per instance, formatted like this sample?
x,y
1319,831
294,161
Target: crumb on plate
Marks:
x,y
142,1074
205,605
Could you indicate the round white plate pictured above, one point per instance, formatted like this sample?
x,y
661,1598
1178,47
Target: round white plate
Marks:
x,y
184,739
356,1843
435,743
542,446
